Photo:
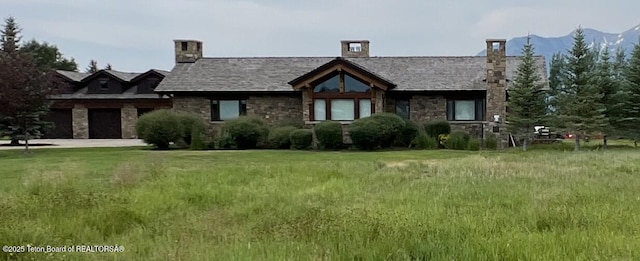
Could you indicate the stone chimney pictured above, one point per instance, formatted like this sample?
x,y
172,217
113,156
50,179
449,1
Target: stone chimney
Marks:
x,y
355,49
496,88
187,51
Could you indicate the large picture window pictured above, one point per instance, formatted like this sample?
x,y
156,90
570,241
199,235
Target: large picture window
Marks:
x,y
465,110
341,97
222,110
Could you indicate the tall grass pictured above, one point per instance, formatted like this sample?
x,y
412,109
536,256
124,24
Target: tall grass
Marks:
x,y
293,205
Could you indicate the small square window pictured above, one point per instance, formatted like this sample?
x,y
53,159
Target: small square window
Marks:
x,y
198,47
185,46
104,83
355,47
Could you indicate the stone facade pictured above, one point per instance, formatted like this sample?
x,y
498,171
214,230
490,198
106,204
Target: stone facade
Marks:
x,y
276,108
80,122
475,129
425,108
347,51
129,116
496,89
187,51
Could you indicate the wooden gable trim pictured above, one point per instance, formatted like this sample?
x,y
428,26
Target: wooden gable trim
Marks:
x,y
340,68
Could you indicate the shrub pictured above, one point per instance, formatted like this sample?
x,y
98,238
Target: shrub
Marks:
x,y
191,123
299,124
246,131
197,140
442,140
365,133
436,128
490,142
223,141
474,145
390,126
458,140
410,131
301,139
329,134
423,141
159,128
279,137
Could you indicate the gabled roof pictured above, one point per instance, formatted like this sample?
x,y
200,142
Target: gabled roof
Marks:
x,y
149,72
73,76
339,62
269,74
121,76
130,93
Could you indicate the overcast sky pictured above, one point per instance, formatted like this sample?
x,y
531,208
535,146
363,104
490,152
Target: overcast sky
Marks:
x,y
136,35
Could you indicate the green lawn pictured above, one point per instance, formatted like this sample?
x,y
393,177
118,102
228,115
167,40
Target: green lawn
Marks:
x,y
293,205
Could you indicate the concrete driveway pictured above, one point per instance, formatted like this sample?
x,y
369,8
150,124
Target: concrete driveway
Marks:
x,y
76,143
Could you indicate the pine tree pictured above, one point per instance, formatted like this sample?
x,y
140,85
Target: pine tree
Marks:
x,y
108,67
582,111
612,98
10,40
632,87
556,83
93,66
527,106
620,64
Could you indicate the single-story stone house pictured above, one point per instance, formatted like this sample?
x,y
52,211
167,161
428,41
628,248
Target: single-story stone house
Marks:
x,y
102,105
468,91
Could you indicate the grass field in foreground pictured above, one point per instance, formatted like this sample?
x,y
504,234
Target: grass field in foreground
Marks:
x,y
295,205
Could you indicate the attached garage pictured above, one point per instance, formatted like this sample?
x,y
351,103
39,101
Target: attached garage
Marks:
x,y
105,124
62,120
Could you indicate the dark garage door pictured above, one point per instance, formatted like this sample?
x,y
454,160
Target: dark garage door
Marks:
x,y
63,128
104,124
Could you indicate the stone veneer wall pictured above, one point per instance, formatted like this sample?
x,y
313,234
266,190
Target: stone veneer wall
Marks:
x,y
276,108
271,108
129,116
475,129
496,89
425,108
80,122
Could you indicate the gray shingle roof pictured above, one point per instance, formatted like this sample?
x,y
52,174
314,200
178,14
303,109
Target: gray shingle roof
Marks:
x,y
128,94
265,74
74,76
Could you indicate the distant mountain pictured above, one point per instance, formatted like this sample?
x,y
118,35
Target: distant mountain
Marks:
x,y
547,46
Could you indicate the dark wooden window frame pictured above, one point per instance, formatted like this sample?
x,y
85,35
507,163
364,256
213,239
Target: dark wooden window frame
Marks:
x,y
215,107
408,107
342,95
479,106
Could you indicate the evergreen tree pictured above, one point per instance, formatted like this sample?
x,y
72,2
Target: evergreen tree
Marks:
x,y
581,107
93,66
527,106
620,64
632,85
108,67
612,98
10,39
556,83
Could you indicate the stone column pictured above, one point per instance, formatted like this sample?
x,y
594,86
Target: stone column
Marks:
x,y
129,116
496,90
80,121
